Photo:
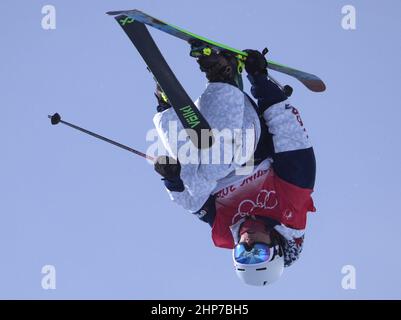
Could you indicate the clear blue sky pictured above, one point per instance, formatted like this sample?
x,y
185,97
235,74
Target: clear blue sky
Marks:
x,y
101,215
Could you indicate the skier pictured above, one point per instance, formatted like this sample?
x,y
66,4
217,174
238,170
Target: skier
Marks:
x,y
260,216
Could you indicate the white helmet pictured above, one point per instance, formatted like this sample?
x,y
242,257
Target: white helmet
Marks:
x,y
259,265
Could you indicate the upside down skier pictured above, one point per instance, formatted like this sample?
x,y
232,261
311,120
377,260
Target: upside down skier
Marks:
x,y
260,216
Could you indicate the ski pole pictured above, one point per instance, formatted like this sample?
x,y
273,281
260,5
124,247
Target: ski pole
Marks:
x,y
286,89
56,119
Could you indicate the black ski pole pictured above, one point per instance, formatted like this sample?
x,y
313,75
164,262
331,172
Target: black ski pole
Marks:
x,y
56,119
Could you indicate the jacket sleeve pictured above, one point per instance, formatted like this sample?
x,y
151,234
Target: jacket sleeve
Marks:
x,y
294,159
223,108
265,91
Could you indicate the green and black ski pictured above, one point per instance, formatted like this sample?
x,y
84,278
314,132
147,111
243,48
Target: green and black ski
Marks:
x,y
187,112
311,81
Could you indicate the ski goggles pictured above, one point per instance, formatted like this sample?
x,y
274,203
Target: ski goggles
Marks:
x,y
259,253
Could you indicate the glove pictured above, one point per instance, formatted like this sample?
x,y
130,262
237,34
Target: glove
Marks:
x,y
168,167
255,63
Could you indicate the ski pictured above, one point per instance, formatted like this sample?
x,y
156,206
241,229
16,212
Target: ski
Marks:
x,y
189,115
311,81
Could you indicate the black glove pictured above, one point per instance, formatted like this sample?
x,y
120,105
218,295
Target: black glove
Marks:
x,y
168,167
255,62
